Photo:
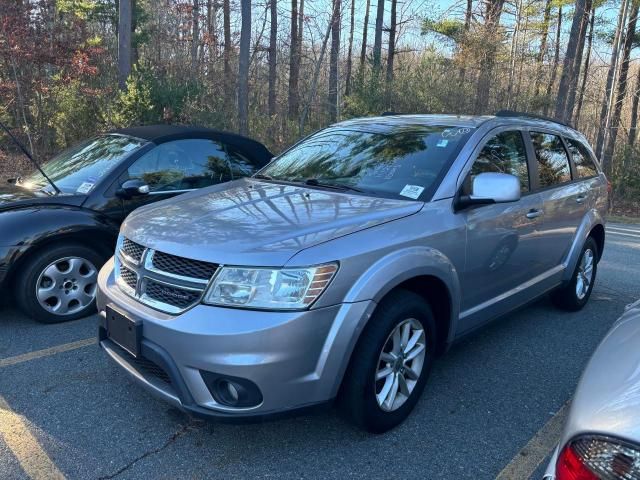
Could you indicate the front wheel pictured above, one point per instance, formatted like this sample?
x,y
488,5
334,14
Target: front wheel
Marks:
x,y
59,284
391,363
576,293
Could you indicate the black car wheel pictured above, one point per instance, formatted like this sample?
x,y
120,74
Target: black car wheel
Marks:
x,y
575,294
391,363
59,284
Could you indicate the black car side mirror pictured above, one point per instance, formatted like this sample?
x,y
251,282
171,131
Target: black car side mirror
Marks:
x,y
133,188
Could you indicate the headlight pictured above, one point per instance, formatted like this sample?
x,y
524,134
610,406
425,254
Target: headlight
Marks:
x,y
269,288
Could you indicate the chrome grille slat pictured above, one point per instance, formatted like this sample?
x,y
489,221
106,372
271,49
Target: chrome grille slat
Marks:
x,y
166,282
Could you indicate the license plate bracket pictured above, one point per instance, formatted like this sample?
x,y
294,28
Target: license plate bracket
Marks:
x,y
124,331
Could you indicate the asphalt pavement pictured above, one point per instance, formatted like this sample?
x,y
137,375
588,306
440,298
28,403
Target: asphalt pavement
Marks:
x,y
66,412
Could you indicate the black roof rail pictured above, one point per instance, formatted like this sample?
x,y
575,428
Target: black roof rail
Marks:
x,y
511,113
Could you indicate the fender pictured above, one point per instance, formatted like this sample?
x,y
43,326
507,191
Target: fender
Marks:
x,y
29,227
590,220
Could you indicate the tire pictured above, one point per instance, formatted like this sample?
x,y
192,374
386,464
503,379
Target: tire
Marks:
x,y
568,297
358,397
72,283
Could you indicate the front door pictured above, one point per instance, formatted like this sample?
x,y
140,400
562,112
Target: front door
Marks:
x,y
502,250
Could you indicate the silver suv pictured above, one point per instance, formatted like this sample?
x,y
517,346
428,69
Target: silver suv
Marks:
x,y
350,262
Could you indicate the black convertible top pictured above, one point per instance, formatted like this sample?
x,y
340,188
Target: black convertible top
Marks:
x,y
166,133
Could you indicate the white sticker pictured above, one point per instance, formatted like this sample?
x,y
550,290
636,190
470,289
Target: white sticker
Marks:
x,y
442,143
85,187
412,191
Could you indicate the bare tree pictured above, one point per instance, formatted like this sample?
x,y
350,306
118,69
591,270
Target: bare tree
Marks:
x,y
629,38
273,52
195,34
124,41
347,81
377,41
294,63
493,11
333,60
556,60
585,72
243,67
633,124
613,66
226,20
365,29
543,45
391,51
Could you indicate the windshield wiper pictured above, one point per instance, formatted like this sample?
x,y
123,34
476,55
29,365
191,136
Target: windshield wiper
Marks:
x,y
28,155
262,176
314,182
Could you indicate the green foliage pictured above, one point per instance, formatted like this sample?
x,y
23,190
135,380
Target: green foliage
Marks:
x,y
80,8
626,176
450,28
135,104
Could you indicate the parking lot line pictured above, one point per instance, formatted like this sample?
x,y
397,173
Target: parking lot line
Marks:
x,y
15,433
527,460
47,352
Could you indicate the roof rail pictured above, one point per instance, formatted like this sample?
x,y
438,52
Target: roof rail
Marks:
x,y
511,113
389,114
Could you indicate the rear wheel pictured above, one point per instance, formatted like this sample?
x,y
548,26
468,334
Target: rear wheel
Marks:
x,y
576,293
59,284
391,363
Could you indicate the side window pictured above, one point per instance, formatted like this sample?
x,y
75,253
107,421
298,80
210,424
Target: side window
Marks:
x,y
504,153
240,165
553,162
182,165
582,159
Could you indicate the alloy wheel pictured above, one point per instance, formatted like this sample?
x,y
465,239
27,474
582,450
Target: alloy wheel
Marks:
x,y
584,274
400,364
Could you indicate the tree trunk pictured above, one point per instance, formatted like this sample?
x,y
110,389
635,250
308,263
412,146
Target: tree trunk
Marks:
x,y
392,51
493,11
124,42
195,35
273,46
607,158
556,60
563,109
467,27
226,20
577,63
585,73
543,45
347,81
294,63
633,124
365,29
243,67
608,93
333,60
377,41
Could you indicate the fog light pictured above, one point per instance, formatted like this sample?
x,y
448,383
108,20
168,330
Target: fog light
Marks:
x,y
232,391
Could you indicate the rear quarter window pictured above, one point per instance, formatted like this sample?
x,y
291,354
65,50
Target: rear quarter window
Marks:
x,y
585,166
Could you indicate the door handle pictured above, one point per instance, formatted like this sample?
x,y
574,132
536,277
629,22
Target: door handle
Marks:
x,y
534,213
581,198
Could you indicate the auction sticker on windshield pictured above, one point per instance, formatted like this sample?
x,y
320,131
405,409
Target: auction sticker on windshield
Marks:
x,y
412,191
85,187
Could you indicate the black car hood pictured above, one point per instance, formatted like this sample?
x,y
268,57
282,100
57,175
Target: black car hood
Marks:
x,y
12,196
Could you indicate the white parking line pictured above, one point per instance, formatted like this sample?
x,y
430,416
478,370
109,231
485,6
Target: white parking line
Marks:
x,y
527,460
615,232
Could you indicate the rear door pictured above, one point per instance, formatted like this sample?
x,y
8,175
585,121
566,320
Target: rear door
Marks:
x,y
564,198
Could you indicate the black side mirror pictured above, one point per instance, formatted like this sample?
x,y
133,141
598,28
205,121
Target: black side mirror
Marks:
x,y
133,188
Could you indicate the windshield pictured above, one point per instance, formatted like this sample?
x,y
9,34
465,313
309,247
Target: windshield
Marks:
x,y
405,162
79,168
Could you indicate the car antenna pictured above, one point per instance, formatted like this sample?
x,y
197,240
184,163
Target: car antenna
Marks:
x,y
30,157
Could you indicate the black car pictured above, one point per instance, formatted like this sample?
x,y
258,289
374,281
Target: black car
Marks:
x,y
54,238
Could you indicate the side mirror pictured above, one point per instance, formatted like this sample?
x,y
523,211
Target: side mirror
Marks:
x,y
491,188
133,188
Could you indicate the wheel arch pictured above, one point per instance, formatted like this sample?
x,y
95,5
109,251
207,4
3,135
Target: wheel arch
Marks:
x,y
592,225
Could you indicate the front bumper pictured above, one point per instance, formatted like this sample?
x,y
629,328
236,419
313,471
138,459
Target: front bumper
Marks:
x,y
296,359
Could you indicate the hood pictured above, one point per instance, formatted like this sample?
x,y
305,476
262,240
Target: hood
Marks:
x,y
12,196
607,399
248,222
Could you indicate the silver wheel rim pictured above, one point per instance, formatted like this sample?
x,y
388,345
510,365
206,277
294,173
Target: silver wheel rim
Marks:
x,y
585,274
67,285
400,364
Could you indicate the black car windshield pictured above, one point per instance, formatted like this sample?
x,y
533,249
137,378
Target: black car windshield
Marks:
x,y
403,162
79,168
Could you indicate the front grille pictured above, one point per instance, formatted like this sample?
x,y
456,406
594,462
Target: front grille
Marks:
x,y
170,294
184,267
129,277
132,250
144,365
